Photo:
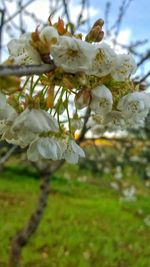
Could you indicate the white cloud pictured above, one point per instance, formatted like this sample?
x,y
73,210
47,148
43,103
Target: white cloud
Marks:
x,y
124,36
123,39
42,11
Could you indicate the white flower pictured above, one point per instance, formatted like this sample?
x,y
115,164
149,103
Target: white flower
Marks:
x,y
10,137
114,119
7,116
135,121
71,54
45,148
124,67
49,35
103,60
101,100
134,104
22,52
31,123
73,152
35,120
7,113
54,149
2,100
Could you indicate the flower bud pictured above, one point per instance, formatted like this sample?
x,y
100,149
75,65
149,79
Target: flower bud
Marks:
x,y
99,22
49,35
96,34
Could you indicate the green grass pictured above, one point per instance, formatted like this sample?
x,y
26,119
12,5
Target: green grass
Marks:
x,y
85,224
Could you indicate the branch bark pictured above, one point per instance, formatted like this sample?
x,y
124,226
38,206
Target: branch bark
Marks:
x,y
24,235
145,77
7,155
22,70
84,128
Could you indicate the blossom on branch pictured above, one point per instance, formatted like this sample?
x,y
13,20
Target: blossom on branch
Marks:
x,y
124,67
30,123
49,35
44,112
71,54
54,149
22,52
134,104
101,100
103,60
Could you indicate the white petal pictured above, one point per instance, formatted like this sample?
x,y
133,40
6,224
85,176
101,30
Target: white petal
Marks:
x,y
40,121
32,152
36,120
22,52
102,60
102,91
71,158
114,119
8,113
124,67
77,149
2,100
102,100
49,34
73,152
47,148
25,136
71,54
134,103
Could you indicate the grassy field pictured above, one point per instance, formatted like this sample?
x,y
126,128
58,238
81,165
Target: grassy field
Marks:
x,y
85,223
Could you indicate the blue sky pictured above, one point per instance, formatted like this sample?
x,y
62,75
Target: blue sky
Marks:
x,y
137,17
135,25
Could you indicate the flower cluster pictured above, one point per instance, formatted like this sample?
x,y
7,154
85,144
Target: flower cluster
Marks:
x,y
39,130
87,72
131,109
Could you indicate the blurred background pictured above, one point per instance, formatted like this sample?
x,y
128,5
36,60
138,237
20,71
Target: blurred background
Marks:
x,y
98,212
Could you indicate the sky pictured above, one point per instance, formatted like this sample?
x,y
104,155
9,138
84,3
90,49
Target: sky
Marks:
x,y
134,27
137,18
136,22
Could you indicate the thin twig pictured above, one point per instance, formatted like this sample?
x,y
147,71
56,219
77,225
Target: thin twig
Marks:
x,y
84,128
145,77
144,58
2,11
106,16
8,154
18,12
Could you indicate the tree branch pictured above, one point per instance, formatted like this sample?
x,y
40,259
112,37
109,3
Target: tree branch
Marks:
x,y
24,235
84,128
18,11
23,70
145,77
8,154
